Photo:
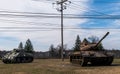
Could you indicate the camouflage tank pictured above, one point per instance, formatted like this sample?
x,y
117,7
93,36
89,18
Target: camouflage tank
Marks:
x,y
89,54
18,56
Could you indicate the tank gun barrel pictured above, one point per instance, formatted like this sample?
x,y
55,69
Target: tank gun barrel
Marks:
x,y
102,39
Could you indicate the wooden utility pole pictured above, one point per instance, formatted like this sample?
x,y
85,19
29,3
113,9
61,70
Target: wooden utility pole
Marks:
x,y
62,7
62,30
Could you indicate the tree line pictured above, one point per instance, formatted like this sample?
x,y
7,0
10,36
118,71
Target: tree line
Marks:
x,y
27,47
90,40
56,51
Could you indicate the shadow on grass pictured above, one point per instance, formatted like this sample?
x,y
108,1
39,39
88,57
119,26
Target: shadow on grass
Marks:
x,y
89,65
115,65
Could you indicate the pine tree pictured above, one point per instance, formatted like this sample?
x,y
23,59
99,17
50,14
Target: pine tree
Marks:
x,y
100,47
77,44
28,46
20,45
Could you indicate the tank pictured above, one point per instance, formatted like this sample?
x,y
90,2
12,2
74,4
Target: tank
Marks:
x,y
18,56
90,55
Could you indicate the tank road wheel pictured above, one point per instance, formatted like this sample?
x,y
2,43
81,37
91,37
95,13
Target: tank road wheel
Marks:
x,y
23,60
17,60
71,59
8,61
30,59
83,62
5,61
93,63
109,61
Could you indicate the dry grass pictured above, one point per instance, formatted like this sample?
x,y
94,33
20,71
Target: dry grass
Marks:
x,y
56,66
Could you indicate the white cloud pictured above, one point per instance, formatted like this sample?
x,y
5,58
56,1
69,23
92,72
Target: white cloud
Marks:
x,y
116,23
12,5
43,39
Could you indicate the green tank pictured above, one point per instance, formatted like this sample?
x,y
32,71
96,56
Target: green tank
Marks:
x,y
89,54
18,56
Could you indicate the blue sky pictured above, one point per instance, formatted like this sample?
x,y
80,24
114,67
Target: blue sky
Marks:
x,y
105,7
102,7
44,38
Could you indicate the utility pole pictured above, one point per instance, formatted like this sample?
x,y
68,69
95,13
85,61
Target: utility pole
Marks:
x,y
62,5
62,30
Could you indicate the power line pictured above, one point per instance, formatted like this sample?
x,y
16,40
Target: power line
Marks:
x,y
67,17
44,24
43,0
29,13
27,29
51,15
19,12
24,30
54,28
37,13
98,1
28,23
78,6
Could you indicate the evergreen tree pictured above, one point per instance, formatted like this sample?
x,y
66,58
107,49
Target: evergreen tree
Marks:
x,y
85,41
20,46
100,47
77,44
28,46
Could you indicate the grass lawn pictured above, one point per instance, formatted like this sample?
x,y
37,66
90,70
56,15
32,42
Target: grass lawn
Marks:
x,y
56,66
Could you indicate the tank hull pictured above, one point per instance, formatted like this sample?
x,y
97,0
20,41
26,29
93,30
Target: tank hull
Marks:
x,y
92,53
18,56
18,60
89,59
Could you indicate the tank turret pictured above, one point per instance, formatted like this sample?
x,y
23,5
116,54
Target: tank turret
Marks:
x,y
89,54
18,56
92,46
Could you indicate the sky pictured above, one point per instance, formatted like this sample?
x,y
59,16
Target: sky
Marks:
x,y
43,38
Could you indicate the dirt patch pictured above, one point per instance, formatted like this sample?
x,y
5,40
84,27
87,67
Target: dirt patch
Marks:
x,y
20,73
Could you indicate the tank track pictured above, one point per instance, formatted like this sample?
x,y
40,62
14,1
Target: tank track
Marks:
x,y
94,61
18,60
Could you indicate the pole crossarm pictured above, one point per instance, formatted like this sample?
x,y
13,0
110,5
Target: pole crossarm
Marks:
x,y
61,2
